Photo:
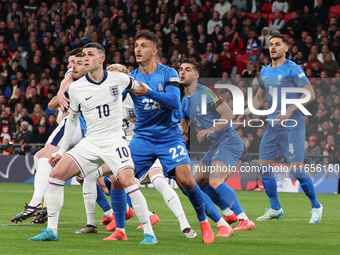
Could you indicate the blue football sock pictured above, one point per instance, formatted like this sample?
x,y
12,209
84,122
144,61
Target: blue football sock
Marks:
x,y
210,209
102,200
128,199
307,186
229,197
107,183
270,186
196,199
118,200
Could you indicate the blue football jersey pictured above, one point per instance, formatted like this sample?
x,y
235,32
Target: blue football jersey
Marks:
x,y
287,75
152,122
191,109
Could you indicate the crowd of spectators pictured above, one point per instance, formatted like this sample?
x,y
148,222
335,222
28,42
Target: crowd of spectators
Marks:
x,y
230,39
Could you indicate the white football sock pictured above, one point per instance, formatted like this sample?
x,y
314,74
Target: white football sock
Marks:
x,y
171,199
36,160
222,222
54,201
141,208
90,196
242,216
227,212
122,230
41,181
108,213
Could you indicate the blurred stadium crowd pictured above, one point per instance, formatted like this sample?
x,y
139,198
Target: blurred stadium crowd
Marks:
x,y
230,39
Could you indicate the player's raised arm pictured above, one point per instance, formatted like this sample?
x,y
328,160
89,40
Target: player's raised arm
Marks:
x,y
171,97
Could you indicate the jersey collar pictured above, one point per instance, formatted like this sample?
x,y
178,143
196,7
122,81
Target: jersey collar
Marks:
x,y
96,83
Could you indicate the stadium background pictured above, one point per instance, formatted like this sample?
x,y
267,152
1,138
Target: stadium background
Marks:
x,y
229,38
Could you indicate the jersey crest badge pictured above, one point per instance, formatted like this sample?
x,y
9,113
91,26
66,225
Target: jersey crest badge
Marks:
x,y
130,112
114,91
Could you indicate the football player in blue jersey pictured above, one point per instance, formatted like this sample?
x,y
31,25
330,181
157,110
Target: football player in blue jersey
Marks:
x,y
285,133
157,132
226,145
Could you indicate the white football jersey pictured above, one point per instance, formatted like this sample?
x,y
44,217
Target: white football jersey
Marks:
x,y
127,114
101,103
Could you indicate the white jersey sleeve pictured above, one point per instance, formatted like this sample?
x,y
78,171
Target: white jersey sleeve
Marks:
x,y
74,103
69,71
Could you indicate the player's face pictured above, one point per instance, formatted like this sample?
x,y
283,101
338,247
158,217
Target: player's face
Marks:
x,y
277,48
144,50
78,68
71,61
92,59
187,74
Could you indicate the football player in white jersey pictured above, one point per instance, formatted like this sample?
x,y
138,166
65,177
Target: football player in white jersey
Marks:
x,y
98,94
41,158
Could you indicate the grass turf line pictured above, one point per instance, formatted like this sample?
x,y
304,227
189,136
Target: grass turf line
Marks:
x,y
292,235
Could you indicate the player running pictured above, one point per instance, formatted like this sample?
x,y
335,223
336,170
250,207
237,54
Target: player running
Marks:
x,y
157,130
226,145
98,95
277,139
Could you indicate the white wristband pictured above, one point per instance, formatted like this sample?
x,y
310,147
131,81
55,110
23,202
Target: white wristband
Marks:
x,y
247,111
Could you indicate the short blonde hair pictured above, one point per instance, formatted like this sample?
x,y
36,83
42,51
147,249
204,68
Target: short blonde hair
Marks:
x,y
117,67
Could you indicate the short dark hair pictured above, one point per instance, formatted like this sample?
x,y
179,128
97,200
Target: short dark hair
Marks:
x,y
79,55
147,34
75,51
159,54
95,45
196,66
283,37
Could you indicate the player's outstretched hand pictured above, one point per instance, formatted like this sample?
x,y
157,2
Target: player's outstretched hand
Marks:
x,y
281,118
204,133
143,89
63,100
55,158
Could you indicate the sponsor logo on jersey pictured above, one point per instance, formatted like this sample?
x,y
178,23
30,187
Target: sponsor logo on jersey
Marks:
x,y
160,86
301,75
198,108
114,91
279,78
174,79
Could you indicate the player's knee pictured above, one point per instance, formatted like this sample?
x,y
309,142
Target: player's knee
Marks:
x,y
55,175
214,183
201,181
188,184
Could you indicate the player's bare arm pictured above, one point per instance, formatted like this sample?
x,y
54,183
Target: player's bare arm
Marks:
x,y
65,84
226,114
280,118
54,103
184,125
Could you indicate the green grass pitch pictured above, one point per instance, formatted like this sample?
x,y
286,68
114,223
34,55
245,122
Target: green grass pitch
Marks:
x,y
292,235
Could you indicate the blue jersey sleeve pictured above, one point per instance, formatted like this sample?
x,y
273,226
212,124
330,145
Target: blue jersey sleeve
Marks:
x,y
171,97
298,76
184,106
